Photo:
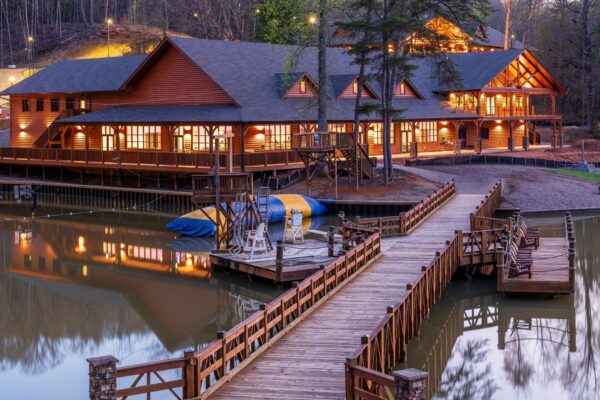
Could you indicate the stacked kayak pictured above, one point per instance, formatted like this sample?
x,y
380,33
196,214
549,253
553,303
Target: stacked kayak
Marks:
x,y
197,224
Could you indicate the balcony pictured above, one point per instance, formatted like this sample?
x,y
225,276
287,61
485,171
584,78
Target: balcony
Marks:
x,y
149,160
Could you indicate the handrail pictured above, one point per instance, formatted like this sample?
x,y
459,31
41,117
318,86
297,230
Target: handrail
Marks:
x,y
488,206
402,224
207,369
570,236
380,351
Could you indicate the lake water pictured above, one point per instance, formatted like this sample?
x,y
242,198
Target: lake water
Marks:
x,y
75,286
482,345
72,287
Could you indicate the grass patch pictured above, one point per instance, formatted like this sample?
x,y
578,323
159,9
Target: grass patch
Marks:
x,y
592,176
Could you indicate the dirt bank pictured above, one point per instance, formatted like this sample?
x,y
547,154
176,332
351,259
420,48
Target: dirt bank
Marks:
x,y
527,188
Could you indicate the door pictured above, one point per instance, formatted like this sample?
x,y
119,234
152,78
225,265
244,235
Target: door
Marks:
x,y
462,137
406,139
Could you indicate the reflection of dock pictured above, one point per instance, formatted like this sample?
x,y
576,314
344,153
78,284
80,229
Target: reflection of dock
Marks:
x,y
299,261
432,350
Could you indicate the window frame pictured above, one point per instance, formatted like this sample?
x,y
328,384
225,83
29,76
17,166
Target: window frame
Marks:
x,y
55,104
277,137
25,106
39,105
69,103
428,132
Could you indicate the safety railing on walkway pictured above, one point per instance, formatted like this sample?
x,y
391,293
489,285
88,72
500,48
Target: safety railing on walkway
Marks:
x,y
204,371
402,224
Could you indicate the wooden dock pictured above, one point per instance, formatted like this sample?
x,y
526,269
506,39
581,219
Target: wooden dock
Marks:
x,y
300,261
552,271
308,362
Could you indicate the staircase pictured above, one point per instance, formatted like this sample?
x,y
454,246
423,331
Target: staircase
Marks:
x,y
366,165
47,138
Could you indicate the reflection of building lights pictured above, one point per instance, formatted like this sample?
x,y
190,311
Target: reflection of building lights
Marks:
x,y
80,245
84,271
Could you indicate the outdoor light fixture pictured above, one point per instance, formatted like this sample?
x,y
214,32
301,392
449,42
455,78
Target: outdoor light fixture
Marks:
x,y
312,20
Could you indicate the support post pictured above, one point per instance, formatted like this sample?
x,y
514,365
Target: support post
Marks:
x,y
511,137
330,241
103,378
414,147
410,384
500,265
279,261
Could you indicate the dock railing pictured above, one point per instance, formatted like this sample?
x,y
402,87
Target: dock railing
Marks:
x,y
403,223
379,352
570,233
204,371
482,217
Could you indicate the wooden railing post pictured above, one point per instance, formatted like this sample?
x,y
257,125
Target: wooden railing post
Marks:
x,y
330,241
500,265
410,384
350,363
103,378
191,387
279,261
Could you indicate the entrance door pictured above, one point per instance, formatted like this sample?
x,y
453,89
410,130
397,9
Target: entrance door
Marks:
x,y
462,137
406,139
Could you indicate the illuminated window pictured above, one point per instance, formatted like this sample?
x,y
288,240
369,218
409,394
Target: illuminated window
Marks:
x,y
519,102
143,137
355,87
375,130
337,128
278,137
427,132
25,105
490,105
39,105
108,138
54,105
303,86
82,104
145,253
401,90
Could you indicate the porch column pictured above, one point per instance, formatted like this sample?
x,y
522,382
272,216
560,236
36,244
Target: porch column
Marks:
x,y
171,144
525,134
457,145
230,155
243,130
414,147
117,137
553,138
479,144
511,138
560,133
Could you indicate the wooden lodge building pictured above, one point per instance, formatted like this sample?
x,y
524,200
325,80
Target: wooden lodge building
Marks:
x,y
158,112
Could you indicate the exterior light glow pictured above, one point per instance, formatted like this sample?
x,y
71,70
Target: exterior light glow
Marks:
x,y
312,20
109,21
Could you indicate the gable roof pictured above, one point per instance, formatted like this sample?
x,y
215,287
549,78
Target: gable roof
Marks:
x,y
287,80
477,69
339,83
75,76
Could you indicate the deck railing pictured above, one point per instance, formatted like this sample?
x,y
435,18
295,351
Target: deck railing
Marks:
x,y
402,224
487,207
323,140
204,371
149,158
480,247
380,351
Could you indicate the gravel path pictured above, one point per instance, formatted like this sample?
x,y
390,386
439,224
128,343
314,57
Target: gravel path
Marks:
x,y
528,188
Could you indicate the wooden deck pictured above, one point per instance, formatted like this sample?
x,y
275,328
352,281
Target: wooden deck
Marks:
x,y
308,362
549,272
300,260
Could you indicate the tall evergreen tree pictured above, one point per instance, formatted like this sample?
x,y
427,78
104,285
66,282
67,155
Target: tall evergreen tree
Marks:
x,y
391,22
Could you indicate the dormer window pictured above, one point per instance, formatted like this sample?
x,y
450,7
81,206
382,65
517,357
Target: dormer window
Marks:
x,y
303,86
402,89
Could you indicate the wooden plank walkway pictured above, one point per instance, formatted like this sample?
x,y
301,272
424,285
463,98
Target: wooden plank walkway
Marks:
x,y
308,362
549,272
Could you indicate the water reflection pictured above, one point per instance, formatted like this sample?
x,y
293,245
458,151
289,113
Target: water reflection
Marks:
x,y
80,286
480,345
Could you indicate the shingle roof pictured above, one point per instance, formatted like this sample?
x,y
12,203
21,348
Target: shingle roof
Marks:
x,y
73,76
495,38
159,114
339,83
477,69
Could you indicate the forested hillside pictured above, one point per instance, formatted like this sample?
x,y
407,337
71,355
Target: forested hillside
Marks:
x,y
564,33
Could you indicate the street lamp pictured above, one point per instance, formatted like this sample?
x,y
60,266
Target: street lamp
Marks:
x,y
109,22
30,41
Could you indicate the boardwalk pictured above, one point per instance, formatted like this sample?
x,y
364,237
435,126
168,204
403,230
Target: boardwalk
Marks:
x,y
309,361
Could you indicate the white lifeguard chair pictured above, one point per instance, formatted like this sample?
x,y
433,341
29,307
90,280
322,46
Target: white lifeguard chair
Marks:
x,y
256,241
293,227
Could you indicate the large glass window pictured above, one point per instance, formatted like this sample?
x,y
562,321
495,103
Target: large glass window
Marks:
x,y
108,138
197,138
278,137
427,132
490,105
143,137
375,130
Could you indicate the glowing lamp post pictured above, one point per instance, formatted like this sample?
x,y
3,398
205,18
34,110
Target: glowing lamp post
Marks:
x,y
109,22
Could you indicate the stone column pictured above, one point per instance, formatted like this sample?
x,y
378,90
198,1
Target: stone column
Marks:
x,y
411,384
103,378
